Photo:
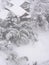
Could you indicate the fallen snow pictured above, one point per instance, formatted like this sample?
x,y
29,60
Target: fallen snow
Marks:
x,y
38,52
15,9
2,58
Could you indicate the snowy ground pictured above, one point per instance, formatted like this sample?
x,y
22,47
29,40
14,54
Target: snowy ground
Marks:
x,y
2,58
38,52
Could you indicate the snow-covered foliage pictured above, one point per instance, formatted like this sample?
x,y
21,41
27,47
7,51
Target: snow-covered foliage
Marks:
x,y
40,15
18,31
